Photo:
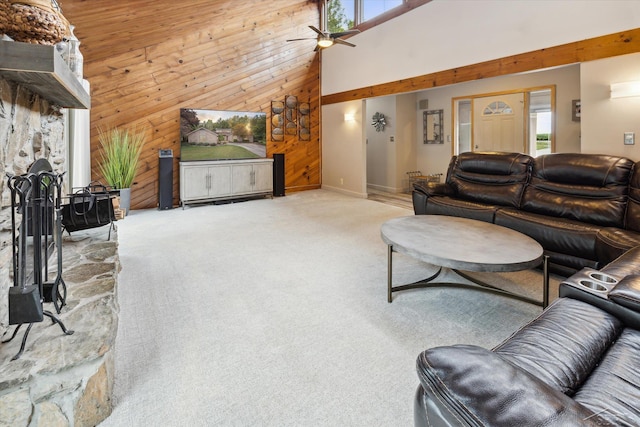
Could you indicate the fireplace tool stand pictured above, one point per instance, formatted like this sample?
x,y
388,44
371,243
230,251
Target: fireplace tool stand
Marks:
x,y
34,196
55,291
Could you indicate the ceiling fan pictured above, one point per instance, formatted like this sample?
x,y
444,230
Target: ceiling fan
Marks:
x,y
326,39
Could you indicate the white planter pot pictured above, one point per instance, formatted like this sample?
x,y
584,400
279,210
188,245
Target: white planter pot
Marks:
x,y
125,199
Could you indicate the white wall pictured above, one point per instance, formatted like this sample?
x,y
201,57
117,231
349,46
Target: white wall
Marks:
x,y
391,152
421,42
343,148
381,153
405,136
604,120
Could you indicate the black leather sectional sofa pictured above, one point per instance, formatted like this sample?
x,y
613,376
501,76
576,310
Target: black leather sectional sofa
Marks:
x,y
584,209
576,364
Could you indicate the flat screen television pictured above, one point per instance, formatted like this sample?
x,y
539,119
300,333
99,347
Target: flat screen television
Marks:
x,y
222,135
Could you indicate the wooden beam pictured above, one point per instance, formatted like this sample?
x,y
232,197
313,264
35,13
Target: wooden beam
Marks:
x,y
581,51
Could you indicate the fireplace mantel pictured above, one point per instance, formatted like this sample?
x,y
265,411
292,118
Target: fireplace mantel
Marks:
x,y
42,70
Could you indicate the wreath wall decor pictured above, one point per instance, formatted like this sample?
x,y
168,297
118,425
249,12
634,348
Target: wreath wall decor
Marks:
x,y
379,122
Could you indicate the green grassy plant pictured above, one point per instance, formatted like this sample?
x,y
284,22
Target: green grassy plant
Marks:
x,y
121,150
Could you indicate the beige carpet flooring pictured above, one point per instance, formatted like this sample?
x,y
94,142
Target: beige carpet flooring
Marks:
x,y
273,312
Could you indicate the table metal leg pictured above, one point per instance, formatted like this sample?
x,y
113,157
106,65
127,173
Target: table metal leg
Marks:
x,y
482,285
389,274
545,283
419,284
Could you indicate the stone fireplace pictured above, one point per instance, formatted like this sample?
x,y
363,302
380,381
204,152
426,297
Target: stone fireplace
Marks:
x,y
30,128
59,380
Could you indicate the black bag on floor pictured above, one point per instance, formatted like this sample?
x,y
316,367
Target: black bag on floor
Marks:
x,y
88,207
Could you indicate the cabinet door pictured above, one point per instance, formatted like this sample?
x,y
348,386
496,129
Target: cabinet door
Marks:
x,y
196,183
219,181
242,176
263,177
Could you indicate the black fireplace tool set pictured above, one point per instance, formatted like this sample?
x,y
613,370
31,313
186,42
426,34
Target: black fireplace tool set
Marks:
x,y
36,219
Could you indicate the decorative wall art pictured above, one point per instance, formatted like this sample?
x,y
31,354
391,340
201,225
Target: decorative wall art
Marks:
x,y
291,114
432,126
304,110
290,118
379,122
277,121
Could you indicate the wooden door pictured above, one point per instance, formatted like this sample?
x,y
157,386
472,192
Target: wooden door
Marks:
x,y
498,123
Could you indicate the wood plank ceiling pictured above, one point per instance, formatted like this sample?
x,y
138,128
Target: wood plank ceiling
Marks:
x,y
147,59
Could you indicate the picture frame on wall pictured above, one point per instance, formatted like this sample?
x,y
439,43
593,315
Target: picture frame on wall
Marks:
x,y
432,126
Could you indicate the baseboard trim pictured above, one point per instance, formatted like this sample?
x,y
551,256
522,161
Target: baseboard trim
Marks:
x,y
385,188
343,191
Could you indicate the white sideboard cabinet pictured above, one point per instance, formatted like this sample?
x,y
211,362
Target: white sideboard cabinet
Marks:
x,y
210,180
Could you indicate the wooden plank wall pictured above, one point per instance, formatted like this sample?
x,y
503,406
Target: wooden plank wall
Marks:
x,y
146,59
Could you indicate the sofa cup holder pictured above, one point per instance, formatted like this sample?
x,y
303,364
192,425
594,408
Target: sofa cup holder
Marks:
x,y
603,278
593,285
592,281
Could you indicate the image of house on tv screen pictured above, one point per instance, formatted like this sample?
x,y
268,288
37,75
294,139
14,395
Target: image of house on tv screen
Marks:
x,y
222,135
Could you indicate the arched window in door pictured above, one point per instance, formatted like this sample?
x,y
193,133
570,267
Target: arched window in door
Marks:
x,y
497,107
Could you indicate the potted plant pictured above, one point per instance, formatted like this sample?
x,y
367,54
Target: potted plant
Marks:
x,y
121,150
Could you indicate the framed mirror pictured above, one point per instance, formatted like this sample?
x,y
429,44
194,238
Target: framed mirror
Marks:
x,y
432,126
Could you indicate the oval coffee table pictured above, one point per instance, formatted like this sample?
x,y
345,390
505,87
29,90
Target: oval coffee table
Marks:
x,y
462,244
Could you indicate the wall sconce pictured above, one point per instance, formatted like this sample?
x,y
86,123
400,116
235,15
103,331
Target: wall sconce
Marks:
x,y
625,89
349,117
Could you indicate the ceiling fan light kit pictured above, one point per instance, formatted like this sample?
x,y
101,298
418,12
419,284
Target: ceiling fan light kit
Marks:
x,y
325,41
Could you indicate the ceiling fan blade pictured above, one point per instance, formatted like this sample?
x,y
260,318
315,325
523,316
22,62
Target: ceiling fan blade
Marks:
x,y
305,38
346,43
316,30
344,33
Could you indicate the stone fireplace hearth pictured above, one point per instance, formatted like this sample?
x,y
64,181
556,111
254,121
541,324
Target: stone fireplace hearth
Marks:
x,y
66,380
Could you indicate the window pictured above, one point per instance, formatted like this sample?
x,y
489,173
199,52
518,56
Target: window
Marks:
x,y
338,16
497,107
345,14
372,8
540,122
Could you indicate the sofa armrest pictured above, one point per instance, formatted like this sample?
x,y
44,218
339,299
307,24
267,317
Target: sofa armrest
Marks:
x,y
433,188
422,192
479,387
627,292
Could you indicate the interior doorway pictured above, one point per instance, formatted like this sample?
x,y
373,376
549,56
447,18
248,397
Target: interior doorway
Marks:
x,y
514,121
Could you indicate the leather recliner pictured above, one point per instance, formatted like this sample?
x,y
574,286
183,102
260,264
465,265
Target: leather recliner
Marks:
x,y
576,364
